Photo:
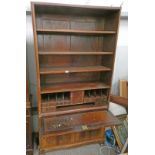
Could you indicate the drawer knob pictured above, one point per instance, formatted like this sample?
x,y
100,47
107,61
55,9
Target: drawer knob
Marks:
x,y
66,71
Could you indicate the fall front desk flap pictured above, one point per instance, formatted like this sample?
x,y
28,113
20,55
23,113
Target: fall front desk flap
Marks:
x,y
79,121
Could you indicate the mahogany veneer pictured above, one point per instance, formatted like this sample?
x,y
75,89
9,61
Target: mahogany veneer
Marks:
x,y
74,53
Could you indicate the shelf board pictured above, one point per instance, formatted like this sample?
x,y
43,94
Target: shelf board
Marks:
x,y
74,53
64,87
71,31
62,70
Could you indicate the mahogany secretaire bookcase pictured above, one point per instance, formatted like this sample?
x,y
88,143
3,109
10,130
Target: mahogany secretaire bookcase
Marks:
x,y
74,53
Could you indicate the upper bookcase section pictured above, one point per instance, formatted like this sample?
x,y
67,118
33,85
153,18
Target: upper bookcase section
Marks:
x,y
76,19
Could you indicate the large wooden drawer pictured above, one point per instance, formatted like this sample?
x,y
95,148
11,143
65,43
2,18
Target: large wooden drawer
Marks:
x,y
55,141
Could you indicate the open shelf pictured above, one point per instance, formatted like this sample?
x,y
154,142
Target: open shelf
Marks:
x,y
74,53
71,31
64,87
61,70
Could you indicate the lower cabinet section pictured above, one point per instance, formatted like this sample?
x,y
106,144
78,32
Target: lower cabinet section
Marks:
x,y
62,131
64,140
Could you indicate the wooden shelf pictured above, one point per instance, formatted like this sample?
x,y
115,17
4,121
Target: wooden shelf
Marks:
x,y
64,87
61,70
74,53
70,31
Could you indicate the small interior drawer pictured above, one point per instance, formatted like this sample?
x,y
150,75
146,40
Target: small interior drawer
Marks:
x,y
77,97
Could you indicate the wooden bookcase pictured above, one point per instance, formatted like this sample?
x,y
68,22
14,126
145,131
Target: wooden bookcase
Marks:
x,y
74,53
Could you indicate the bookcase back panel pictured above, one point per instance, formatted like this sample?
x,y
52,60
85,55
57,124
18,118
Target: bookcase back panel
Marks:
x,y
86,43
59,43
107,61
55,61
106,77
59,21
54,42
109,43
67,78
106,21
66,61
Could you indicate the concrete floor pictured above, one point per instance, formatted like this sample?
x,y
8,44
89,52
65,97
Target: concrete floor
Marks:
x,y
92,149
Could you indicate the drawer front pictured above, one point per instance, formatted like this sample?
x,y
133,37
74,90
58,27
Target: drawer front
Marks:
x,y
92,134
47,141
77,97
102,100
48,109
97,100
51,141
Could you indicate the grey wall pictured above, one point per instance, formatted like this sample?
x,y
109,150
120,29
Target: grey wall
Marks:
x,y
31,59
121,60
120,69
